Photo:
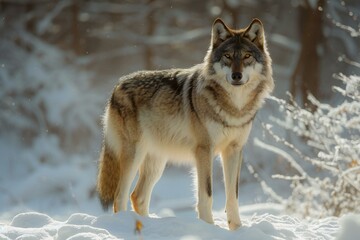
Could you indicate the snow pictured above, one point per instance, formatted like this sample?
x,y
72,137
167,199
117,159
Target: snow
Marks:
x,y
33,225
350,227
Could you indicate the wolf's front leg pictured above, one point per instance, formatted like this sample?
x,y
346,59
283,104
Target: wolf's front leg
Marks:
x,y
232,159
204,183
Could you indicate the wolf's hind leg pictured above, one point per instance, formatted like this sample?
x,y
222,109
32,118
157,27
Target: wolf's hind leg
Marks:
x,y
131,157
150,172
232,159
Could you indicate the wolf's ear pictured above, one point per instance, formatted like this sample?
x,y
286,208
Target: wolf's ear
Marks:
x,y
220,32
255,33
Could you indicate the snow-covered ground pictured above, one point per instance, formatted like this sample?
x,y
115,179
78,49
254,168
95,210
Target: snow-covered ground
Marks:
x,y
68,212
257,225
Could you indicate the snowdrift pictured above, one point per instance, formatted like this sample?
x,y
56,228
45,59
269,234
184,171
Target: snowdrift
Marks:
x,y
79,226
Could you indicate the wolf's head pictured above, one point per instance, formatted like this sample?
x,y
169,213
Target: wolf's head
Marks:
x,y
238,55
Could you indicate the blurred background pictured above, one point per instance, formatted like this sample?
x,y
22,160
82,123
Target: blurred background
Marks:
x,y
59,61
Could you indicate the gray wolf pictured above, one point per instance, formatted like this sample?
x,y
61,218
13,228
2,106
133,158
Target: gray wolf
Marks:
x,y
187,116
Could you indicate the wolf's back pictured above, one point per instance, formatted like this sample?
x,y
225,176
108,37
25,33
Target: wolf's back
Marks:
x,y
108,177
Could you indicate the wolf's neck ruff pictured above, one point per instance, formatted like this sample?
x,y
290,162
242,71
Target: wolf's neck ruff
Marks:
x,y
219,106
186,116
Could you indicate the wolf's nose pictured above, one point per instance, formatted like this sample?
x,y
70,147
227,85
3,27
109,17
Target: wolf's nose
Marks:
x,y
236,75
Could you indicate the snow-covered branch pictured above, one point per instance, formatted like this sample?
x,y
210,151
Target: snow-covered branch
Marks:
x,y
329,170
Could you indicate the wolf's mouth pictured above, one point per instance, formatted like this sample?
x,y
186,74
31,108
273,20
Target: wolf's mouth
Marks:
x,y
237,83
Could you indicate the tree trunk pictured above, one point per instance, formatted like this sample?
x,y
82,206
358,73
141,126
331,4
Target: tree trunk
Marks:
x,y
234,13
75,28
306,76
30,23
150,30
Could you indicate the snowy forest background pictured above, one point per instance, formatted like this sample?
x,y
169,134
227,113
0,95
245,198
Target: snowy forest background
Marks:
x,y
59,61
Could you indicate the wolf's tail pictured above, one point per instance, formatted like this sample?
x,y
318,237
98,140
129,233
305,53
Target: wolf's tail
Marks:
x,y
108,177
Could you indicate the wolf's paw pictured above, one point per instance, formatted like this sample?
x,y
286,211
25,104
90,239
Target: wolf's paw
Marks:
x,y
138,204
233,225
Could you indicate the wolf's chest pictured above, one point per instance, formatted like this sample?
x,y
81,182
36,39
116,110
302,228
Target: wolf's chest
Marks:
x,y
222,136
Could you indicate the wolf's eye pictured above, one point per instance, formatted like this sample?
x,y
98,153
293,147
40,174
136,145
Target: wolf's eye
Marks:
x,y
247,55
227,56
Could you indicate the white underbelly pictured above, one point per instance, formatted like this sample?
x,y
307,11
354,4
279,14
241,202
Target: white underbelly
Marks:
x,y
171,139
